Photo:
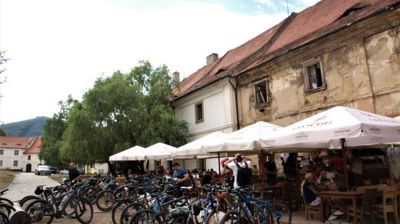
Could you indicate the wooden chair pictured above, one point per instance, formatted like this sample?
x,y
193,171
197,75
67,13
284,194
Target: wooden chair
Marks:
x,y
365,214
313,210
389,204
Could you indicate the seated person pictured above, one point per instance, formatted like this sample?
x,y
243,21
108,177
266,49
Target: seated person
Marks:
x,y
325,182
309,191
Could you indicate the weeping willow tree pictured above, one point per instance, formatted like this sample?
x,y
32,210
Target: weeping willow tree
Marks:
x,y
121,111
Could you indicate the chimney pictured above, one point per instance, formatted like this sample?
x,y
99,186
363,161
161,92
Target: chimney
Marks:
x,y
212,58
176,77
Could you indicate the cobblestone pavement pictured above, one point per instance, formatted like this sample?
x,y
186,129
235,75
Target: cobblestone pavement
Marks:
x,y
25,183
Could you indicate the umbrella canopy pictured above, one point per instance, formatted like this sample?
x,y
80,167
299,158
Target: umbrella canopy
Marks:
x,y
326,129
157,151
194,149
245,139
123,156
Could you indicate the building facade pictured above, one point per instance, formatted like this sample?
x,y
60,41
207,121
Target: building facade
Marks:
x,y
20,153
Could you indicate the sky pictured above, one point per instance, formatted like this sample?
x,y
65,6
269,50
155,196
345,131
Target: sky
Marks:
x,y
60,47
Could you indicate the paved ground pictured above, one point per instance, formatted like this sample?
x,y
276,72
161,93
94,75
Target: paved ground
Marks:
x,y
25,184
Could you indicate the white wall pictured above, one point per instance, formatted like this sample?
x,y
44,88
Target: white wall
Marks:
x,y
219,109
34,161
9,157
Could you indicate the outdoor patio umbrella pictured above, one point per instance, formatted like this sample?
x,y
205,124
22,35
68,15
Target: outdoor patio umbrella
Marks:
x,y
335,126
245,139
194,149
124,155
157,151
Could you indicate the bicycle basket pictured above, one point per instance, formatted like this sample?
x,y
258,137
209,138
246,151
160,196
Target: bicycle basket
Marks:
x,y
179,211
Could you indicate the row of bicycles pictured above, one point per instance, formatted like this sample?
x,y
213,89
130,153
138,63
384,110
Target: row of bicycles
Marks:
x,y
148,199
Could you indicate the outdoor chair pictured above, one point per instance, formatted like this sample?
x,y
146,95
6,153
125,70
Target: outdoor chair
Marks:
x,y
313,210
389,204
365,214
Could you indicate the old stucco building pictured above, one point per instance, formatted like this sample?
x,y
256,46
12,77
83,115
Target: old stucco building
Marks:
x,y
349,56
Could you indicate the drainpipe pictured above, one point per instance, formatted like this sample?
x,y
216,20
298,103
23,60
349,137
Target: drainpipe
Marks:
x,y
236,103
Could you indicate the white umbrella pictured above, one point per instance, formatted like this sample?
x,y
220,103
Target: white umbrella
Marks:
x,y
326,129
157,151
245,139
194,149
123,156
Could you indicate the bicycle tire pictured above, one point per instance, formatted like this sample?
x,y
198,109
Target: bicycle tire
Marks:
x,y
6,209
108,197
39,209
233,217
84,207
285,213
117,210
146,217
213,218
131,210
24,201
6,201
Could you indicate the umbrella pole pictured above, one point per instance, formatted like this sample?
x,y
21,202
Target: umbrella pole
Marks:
x,y
346,174
219,164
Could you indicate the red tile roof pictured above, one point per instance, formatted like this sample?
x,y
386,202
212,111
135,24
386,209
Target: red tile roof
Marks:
x,y
35,147
324,18
30,144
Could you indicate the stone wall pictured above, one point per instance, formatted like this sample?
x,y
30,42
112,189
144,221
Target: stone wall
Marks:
x,y
360,64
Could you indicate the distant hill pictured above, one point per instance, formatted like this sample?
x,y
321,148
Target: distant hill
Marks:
x,y
26,128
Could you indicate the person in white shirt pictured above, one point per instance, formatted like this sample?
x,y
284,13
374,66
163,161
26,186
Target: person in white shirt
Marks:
x,y
240,160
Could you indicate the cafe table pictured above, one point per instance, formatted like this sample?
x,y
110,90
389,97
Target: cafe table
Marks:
x,y
342,195
263,187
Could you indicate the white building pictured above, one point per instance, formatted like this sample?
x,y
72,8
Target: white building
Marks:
x,y
207,103
19,153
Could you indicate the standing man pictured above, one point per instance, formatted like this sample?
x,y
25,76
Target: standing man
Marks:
x,y
181,175
236,163
73,172
270,170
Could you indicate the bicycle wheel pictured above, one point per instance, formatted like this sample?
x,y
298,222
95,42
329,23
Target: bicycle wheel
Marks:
x,y
180,220
117,210
6,209
6,201
84,211
281,213
233,217
70,210
40,211
130,211
105,200
90,194
26,200
146,217
214,217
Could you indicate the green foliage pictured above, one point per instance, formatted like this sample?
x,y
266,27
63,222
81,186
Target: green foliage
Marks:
x,y
53,132
122,111
2,133
26,128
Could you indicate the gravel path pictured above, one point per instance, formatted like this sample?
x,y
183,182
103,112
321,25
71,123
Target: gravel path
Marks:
x,y
25,184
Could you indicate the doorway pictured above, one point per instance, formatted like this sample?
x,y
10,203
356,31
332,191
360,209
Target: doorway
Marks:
x,y
28,168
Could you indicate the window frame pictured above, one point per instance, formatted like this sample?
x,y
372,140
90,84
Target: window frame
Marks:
x,y
196,112
16,152
306,77
268,92
1,152
1,163
15,164
29,157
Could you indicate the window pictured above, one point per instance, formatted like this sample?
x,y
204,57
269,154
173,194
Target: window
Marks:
x,y
1,162
29,157
15,162
314,77
16,152
199,115
262,93
1,152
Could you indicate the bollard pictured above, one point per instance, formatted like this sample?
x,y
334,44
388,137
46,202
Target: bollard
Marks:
x,y
19,216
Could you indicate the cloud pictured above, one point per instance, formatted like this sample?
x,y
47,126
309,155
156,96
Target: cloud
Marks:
x,y
62,47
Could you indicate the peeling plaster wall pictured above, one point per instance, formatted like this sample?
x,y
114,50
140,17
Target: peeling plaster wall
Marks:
x,y
361,66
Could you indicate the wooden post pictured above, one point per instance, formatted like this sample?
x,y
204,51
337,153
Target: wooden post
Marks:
x,y
219,164
346,174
